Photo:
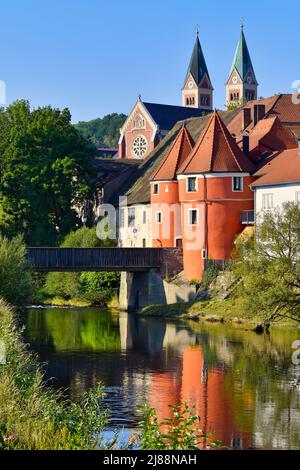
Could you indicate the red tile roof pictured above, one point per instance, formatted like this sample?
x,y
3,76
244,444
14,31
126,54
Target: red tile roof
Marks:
x,y
216,151
271,134
175,157
281,106
283,168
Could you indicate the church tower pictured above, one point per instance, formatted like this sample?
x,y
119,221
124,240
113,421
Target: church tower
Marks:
x,y
241,85
197,91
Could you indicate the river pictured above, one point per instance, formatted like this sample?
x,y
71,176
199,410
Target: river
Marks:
x,y
245,386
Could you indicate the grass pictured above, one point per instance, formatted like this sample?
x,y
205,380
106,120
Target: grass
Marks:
x,y
32,416
225,311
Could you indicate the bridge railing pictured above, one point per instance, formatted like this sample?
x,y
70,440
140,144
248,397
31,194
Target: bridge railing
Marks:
x,y
94,259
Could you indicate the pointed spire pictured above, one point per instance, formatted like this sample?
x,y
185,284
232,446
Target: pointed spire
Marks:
x,y
197,67
216,151
175,157
242,61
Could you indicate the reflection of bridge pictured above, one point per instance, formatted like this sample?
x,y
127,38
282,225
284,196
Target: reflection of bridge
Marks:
x,y
94,259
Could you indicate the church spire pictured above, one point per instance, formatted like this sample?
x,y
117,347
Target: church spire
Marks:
x,y
197,89
242,84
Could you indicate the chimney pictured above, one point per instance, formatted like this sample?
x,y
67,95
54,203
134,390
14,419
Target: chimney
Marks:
x,y
246,144
259,111
246,117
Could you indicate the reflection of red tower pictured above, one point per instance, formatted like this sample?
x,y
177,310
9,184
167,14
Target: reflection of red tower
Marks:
x,y
205,389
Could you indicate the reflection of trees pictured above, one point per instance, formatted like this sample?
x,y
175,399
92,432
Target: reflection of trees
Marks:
x,y
74,330
259,385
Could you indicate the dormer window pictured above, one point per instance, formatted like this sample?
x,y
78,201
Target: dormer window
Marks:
x,y
237,183
155,188
192,184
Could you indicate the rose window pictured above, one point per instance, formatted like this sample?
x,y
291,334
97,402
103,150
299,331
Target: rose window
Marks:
x,y
139,147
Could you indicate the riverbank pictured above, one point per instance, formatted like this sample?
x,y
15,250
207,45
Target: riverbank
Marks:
x,y
214,311
32,416
113,303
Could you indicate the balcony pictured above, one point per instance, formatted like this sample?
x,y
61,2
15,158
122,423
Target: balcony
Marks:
x,y
247,218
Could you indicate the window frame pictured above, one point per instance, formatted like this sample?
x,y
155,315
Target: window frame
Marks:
x,y
155,185
131,218
158,215
234,178
267,197
190,211
196,184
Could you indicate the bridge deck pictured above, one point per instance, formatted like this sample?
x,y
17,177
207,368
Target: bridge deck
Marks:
x,y
44,259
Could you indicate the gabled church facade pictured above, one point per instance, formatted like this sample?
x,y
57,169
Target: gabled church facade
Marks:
x,y
148,123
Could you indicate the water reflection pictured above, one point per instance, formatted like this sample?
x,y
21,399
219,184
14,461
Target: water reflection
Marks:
x,y
244,386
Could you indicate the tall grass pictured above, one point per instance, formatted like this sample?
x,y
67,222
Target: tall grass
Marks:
x,y
32,416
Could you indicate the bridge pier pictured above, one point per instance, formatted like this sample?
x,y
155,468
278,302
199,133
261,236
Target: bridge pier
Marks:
x,y
142,289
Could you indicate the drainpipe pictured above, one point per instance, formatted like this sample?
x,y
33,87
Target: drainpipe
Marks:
x,y
205,215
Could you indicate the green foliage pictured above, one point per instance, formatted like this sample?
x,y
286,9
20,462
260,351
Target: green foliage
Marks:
x,y
269,266
103,132
31,416
210,274
45,172
16,284
96,288
179,432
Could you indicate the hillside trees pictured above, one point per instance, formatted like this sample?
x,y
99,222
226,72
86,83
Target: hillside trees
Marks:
x,y
45,172
103,132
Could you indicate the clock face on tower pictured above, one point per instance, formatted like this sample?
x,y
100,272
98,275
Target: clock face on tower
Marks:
x,y
249,80
190,85
234,80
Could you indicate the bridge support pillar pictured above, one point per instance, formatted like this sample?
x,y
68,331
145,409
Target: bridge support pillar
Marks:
x,y
141,289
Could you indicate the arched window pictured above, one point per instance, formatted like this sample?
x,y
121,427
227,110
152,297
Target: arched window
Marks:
x,y
139,122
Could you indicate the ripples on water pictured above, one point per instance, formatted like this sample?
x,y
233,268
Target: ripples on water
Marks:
x,y
244,386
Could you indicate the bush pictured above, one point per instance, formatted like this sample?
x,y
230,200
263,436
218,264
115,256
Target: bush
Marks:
x,y
96,288
179,432
16,284
210,274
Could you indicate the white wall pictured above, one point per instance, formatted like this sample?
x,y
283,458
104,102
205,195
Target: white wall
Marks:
x,y
281,194
132,237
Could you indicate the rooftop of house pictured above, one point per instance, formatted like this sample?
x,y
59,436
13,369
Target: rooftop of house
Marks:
x,y
283,168
216,151
176,155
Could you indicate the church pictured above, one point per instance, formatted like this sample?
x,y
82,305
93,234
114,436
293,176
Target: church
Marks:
x,y
148,123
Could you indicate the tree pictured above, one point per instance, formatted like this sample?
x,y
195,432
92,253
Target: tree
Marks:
x,y
45,173
103,132
16,285
269,266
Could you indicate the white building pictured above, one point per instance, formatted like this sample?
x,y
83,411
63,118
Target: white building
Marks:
x,y
278,182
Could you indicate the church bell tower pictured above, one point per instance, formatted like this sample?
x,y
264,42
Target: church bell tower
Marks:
x,y
197,91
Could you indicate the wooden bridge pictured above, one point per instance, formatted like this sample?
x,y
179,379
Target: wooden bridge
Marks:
x,y
94,259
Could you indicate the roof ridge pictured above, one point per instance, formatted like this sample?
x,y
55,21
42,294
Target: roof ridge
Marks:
x,y
200,140
223,127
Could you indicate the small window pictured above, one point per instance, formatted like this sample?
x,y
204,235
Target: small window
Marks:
x,y
267,201
178,242
144,217
193,217
158,217
237,183
155,188
131,217
122,218
192,185
298,196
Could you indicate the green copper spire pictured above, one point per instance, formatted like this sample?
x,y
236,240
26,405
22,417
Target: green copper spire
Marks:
x,y
242,60
197,67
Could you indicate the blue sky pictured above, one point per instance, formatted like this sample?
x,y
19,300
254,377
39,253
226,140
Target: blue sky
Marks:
x,y
96,56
